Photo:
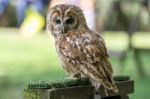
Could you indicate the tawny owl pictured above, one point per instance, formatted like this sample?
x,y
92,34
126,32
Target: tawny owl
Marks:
x,y
81,51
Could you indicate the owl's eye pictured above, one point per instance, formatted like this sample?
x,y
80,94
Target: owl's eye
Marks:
x,y
70,20
57,21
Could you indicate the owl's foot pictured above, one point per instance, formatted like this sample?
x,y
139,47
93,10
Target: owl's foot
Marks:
x,y
74,77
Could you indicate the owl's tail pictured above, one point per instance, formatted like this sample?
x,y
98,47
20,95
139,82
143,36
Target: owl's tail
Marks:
x,y
114,88
110,84
107,82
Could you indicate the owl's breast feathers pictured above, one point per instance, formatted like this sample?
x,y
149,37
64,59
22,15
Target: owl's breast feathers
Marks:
x,y
85,53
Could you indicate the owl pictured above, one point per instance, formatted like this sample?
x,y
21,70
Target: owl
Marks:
x,y
82,52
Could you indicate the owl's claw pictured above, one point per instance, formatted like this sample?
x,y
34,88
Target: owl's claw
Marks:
x,y
74,77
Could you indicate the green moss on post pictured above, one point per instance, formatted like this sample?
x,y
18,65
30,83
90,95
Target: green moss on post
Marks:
x,y
38,89
66,83
58,84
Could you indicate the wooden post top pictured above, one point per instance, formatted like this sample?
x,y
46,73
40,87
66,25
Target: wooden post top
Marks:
x,y
74,89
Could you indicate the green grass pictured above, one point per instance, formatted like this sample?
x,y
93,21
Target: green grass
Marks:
x,y
25,59
27,56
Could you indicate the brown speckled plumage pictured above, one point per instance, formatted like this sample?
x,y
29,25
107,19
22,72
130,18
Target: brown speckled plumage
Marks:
x,y
81,51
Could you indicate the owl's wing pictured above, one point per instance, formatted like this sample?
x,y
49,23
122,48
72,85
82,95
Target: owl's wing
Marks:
x,y
96,64
96,51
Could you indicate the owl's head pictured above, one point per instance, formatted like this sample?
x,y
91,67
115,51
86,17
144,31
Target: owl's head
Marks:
x,y
63,19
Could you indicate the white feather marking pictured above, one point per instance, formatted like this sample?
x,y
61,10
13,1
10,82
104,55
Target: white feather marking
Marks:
x,y
87,40
68,39
77,42
69,54
73,62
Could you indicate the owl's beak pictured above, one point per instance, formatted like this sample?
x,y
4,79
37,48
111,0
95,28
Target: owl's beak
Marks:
x,y
64,28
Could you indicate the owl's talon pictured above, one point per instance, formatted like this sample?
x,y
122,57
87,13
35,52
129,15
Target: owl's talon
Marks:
x,y
76,76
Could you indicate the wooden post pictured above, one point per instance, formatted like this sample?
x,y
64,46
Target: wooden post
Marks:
x,y
81,90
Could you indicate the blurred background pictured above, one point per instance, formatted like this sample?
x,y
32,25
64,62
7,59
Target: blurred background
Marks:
x,y
27,52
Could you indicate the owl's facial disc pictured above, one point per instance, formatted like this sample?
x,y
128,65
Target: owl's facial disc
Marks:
x,y
63,23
